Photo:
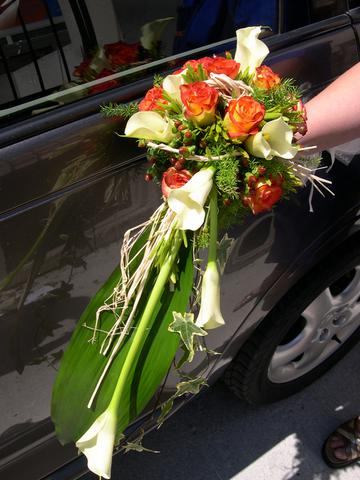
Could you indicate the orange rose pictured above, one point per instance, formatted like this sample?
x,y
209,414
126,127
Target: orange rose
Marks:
x,y
266,78
200,102
243,117
172,179
263,198
153,100
121,53
226,66
214,65
194,64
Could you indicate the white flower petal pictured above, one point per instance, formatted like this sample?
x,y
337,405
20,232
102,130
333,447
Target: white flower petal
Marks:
x,y
190,214
97,444
171,85
280,136
188,201
151,32
250,51
258,146
210,315
149,125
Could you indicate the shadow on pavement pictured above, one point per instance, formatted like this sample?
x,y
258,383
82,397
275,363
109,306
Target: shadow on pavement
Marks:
x,y
217,437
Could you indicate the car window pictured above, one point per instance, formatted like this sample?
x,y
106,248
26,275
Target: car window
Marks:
x,y
311,11
53,52
354,3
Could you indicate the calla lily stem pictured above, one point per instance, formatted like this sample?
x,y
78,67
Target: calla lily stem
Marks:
x,y
145,320
212,255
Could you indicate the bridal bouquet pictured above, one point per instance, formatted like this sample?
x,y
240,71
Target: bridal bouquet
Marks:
x,y
219,135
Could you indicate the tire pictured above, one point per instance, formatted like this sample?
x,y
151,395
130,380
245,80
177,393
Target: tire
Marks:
x,y
301,325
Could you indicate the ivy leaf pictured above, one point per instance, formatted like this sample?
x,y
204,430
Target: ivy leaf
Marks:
x,y
204,349
184,325
190,386
137,446
223,251
165,410
184,358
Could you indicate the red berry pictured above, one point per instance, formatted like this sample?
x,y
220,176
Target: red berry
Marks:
x,y
277,179
148,177
252,180
246,201
262,170
227,202
179,165
183,150
177,123
181,127
173,160
188,134
245,162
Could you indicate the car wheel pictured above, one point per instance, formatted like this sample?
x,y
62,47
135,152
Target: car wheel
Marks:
x,y
308,331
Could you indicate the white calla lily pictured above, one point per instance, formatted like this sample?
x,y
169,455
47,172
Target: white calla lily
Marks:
x,y
151,32
97,444
210,315
274,140
171,85
250,51
188,201
149,125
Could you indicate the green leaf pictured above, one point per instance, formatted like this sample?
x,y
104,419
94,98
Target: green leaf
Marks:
x,y
204,349
137,446
184,325
125,110
223,251
165,410
82,364
191,386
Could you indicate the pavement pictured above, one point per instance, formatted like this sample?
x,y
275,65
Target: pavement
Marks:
x,y
218,437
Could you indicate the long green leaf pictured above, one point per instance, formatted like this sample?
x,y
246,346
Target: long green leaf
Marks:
x,y
82,364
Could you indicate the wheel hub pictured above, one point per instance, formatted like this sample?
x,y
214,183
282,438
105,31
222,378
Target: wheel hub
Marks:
x,y
327,322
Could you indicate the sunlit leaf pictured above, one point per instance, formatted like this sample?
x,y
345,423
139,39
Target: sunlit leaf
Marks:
x,y
82,364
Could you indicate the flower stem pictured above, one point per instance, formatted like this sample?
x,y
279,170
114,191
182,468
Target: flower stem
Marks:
x,y
213,226
145,320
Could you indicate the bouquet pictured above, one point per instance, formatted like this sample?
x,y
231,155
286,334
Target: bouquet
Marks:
x,y
220,138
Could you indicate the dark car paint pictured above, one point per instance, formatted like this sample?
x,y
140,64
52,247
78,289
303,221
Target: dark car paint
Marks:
x,y
69,179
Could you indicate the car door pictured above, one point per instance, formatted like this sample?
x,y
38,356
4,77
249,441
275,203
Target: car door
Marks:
x,y
70,188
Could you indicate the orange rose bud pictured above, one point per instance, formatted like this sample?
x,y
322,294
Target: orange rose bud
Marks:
x,y
172,179
266,78
223,65
263,198
200,102
243,117
153,100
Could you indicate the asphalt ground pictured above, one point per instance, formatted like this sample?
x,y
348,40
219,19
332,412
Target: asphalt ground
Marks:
x,y
218,437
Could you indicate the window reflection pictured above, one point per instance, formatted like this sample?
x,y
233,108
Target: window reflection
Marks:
x,y
54,52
